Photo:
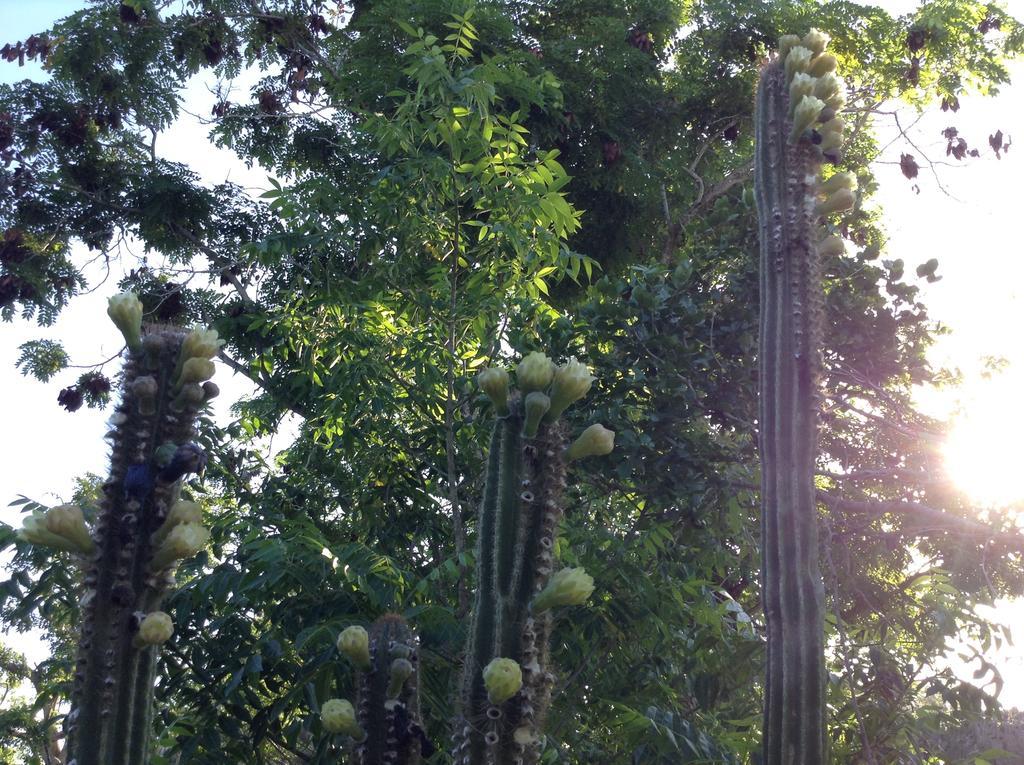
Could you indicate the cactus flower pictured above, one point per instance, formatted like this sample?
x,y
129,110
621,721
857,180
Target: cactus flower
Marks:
x,y
494,382
354,642
201,344
595,441
536,405
805,114
568,587
797,60
816,41
572,381
181,512
125,310
183,541
502,678
156,628
338,716
787,43
827,86
534,372
68,522
802,85
36,529
196,370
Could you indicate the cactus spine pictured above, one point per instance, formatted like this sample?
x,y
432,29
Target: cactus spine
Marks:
x,y
796,129
141,531
506,683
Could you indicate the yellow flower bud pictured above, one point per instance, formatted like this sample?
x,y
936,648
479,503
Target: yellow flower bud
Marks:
x,y
831,246
183,541
572,382
843,180
535,405
125,310
534,372
828,86
196,371
34,530
338,716
155,629
354,642
502,678
67,521
595,441
568,587
838,201
823,64
494,382
400,671
181,512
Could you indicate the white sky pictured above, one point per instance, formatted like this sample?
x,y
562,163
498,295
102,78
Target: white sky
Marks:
x,y
975,234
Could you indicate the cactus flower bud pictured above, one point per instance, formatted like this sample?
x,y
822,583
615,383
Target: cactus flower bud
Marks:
x,y
155,629
838,201
568,587
33,530
831,246
145,389
534,372
125,310
822,64
190,396
804,115
797,60
830,141
817,41
572,382
210,390
354,642
401,670
536,405
338,716
843,180
183,541
502,678
196,370
595,441
786,44
827,86
494,382
181,512
68,522
201,344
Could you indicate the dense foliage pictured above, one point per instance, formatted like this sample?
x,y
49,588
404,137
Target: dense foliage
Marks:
x,y
450,182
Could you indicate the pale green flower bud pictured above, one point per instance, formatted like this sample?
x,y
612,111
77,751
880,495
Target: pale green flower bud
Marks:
x,y
572,382
568,587
338,716
494,382
838,201
804,115
183,541
181,512
536,405
828,86
125,310
786,44
354,642
67,521
831,246
145,389
191,395
817,41
823,64
401,670
35,530
595,441
534,372
830,140
797,60
201,344
502,678
196,371
843,180
155,629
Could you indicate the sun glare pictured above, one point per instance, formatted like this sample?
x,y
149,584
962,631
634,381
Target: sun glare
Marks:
x,y
982,453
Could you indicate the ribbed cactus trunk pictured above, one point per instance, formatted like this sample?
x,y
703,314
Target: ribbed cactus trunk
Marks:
x,y
792,126
518,522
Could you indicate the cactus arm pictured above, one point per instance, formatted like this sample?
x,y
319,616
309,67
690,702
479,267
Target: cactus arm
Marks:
x,y
791,139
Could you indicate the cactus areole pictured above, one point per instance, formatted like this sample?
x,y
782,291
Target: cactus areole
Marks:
x,y
797,129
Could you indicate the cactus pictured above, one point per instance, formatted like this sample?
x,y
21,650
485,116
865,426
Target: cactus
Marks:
x,y
797,128
140,533
506,682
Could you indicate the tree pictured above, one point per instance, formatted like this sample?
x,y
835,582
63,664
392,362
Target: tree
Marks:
x,y
393,258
